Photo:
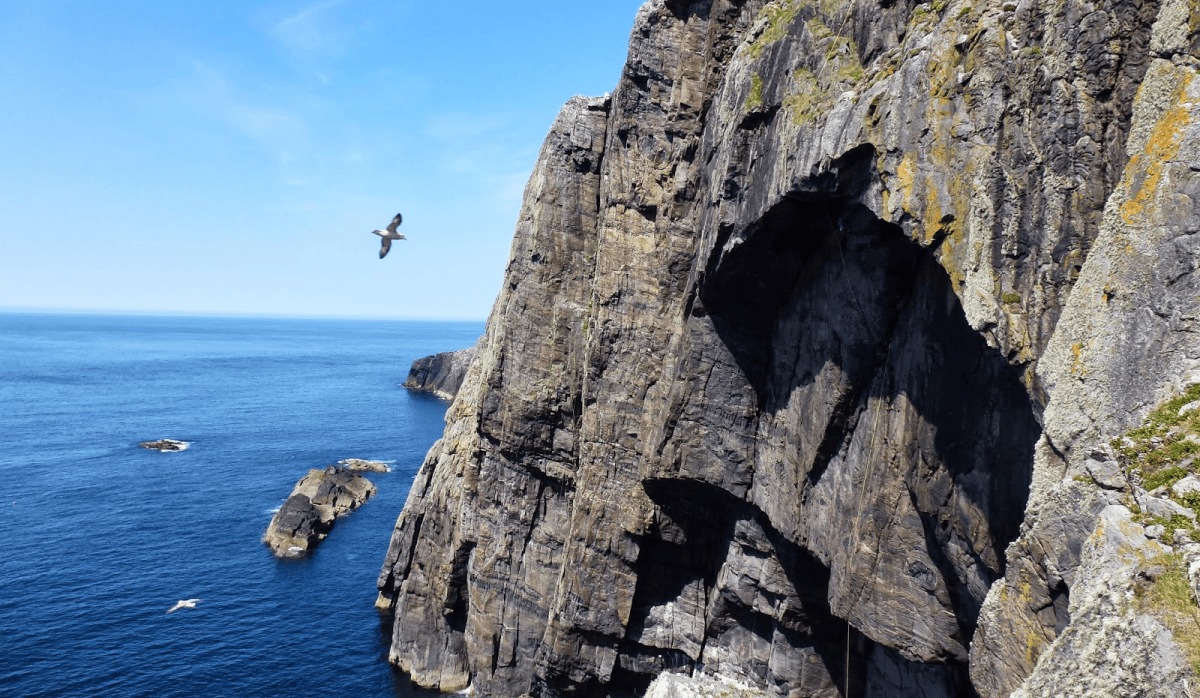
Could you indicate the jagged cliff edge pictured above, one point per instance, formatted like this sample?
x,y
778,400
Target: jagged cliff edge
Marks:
x,y
812,335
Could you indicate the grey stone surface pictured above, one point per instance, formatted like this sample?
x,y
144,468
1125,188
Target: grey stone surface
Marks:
x,y
1110,649
1107,473
1162,506
803,330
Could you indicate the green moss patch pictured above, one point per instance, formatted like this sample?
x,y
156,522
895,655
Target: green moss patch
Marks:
x,y
808,99
754,99
780,15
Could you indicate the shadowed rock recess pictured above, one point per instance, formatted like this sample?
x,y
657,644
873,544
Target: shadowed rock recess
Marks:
x,y
807,335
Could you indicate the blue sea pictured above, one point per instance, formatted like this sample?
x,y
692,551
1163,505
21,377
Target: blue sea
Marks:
x,y
101,537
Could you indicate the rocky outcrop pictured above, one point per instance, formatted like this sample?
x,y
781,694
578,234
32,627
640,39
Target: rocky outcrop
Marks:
x,y
165,445
441,374
316,502
812,343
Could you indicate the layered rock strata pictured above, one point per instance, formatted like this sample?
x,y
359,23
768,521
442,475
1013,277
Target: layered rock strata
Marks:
x,y
316,502
441,374
807,337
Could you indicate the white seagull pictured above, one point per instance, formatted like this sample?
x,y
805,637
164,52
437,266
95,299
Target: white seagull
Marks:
x,y
183,603
389,235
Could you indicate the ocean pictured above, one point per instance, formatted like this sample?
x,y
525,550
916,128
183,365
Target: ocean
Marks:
x,y
101,537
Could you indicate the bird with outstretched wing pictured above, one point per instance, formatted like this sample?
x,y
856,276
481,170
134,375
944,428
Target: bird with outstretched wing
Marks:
x,y
389,235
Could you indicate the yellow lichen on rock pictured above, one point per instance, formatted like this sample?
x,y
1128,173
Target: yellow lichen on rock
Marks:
x,y
1146,168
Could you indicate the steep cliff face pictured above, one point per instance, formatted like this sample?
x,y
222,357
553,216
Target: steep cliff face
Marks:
x,y
807,334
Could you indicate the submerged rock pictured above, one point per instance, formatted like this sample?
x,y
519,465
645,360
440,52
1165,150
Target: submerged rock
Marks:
x,y
319,499
165,445
441,374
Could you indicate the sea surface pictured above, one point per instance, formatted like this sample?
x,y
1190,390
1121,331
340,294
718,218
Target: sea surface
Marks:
x,y
101,537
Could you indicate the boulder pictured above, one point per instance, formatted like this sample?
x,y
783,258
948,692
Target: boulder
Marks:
x,y
1106,473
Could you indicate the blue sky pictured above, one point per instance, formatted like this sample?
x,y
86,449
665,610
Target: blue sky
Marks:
x,y
232,157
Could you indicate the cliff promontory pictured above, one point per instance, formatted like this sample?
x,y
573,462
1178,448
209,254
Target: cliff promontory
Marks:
x,y
833,358
441,374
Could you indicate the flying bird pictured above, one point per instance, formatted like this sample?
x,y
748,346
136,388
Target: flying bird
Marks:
x,y
183,603
389,235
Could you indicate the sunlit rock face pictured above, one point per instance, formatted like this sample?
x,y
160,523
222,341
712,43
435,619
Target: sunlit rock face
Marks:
x,y
807,333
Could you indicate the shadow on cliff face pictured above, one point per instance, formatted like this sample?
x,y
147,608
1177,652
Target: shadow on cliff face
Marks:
x,y
839,322
818,283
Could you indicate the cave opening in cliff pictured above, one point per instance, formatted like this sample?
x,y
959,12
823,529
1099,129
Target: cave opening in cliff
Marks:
x,y
880,407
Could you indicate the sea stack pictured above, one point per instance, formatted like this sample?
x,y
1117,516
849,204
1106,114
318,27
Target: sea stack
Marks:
x,y
316,502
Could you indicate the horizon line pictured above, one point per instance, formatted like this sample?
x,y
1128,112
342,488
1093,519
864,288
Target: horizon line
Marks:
x,y
15,310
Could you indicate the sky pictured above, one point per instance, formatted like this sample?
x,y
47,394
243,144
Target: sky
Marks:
x,y
232,157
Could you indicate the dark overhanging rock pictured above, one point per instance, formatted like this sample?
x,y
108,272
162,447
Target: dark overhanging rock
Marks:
x,y
819,285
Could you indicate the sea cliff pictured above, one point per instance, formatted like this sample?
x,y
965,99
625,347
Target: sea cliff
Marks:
x,y
816,348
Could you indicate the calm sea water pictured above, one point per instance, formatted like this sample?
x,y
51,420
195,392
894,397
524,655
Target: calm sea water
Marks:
x,y
101,537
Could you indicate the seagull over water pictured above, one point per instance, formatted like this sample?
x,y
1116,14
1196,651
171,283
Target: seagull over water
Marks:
x,y
389,235
183,603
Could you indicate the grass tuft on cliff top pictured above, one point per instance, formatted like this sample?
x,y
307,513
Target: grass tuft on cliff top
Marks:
x,y
1168,597
1157,450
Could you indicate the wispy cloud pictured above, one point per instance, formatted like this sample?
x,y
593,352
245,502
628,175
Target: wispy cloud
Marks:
x,y
310,29
458,126
487,148
284,132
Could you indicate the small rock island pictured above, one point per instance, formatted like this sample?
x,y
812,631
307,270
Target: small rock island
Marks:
x,y
318,499
165,445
